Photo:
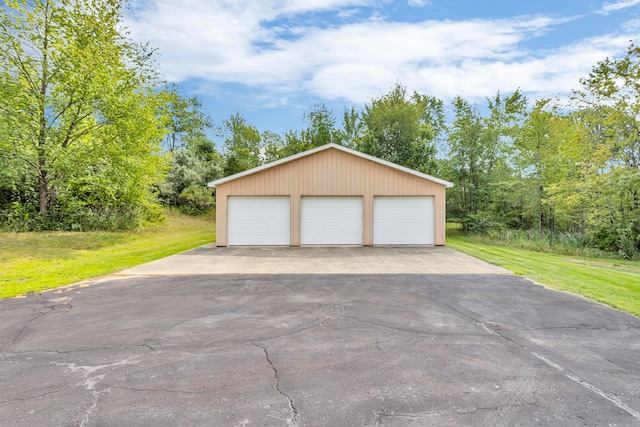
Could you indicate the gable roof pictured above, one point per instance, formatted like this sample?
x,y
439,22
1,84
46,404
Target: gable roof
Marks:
x,y
327,147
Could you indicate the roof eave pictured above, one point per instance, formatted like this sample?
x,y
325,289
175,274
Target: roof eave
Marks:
x,y
215,183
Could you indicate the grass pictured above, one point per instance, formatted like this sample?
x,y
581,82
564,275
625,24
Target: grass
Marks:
x,y
612,282
33,262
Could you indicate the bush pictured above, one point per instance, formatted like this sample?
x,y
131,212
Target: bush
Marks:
x,y
481,223
620,238
21,217
80,217
606,242
195,200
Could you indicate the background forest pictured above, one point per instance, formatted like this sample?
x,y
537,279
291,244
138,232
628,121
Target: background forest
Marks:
x,y
91,137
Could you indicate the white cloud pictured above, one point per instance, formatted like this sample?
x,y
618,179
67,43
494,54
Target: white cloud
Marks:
x,y
619,5
419,3
302,6
265,47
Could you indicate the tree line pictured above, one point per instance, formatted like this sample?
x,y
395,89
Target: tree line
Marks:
x,y
91,137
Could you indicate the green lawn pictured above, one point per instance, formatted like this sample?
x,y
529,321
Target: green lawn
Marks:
x,y
612,282
32,262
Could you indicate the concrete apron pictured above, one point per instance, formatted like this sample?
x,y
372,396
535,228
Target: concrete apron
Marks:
x,y
209,259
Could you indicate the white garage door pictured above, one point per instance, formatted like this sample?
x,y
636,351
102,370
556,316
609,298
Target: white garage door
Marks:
x,y
331,221
257,220
403,221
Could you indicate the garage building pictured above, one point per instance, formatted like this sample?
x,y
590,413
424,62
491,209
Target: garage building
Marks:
x,y
330,195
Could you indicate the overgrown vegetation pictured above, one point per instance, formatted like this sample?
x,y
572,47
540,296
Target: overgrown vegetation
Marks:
x,y
80,124
610,281
33,262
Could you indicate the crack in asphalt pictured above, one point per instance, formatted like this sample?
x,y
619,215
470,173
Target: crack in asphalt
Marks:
x,y
578,327
385,325
294,411
311,324
270,279
67,352
91,382
51,306
383,415
90,385
24,399
36,351
290,288
147,345
305,316
159,390
21,331
497,407
407,330
568,374
251,290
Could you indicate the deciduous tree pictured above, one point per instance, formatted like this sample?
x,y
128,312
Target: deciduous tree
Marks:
x,y
402,129
79,100
242,146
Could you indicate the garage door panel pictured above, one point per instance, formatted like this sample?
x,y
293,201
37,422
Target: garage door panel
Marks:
x,y
403,221
331,221
258,221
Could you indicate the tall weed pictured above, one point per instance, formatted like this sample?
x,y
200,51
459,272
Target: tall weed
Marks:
x,y
562,243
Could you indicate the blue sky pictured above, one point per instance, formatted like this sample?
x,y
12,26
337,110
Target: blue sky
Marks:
x,y
272,60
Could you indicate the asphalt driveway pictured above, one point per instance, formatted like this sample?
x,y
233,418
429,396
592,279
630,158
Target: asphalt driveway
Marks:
x,y
316,350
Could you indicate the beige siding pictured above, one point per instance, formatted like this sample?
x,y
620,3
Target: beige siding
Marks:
x,y
331,173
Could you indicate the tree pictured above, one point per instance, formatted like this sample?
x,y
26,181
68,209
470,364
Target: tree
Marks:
x,y
187,121
273,146
242,146
320,130
610,116
194,158
547,152
403,129
352,127
79,101
321,127
478,157
466,158
567,160
185,185
293,142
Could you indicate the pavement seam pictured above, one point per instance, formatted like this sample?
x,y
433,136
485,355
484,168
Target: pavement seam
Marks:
x,y
372,249
567,373
275,269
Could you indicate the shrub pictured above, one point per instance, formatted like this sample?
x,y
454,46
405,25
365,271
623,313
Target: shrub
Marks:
x,y
195,200
481,223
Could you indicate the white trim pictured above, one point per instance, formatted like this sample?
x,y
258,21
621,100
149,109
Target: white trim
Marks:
x,y
447,184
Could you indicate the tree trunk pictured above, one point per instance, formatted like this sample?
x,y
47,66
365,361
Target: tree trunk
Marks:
x,y
42,133
539,180
43,194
